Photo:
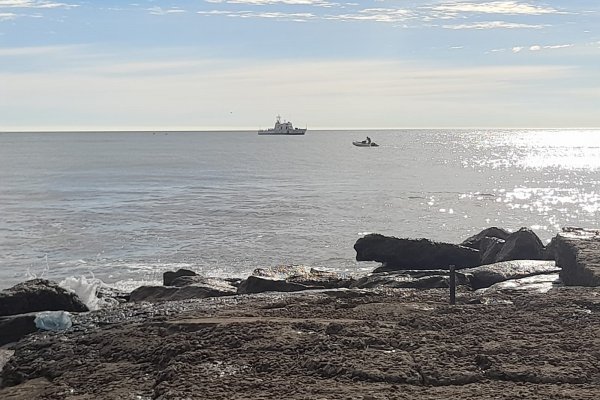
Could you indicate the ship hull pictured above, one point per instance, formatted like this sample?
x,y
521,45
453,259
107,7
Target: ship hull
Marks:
x,y
292,133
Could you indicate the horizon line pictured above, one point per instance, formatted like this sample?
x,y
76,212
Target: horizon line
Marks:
x,y
221,129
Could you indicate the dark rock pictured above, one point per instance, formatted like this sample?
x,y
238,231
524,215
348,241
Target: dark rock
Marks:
x,y
474,241
170,276
550,250
400,254
521,245
260,284
200,288
15,327
416,279
578,254
38,295
490,247
488,275
303,275
187,280
112,295
202,280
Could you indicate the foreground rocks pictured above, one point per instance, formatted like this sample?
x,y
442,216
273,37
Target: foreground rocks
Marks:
x,y
381,344
318,335
38,295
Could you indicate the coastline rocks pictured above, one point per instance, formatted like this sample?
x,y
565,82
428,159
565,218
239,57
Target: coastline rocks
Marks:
x,y
488,275
196,288
523,244
476,241
577,252
260,284
170,276
201,280
474,278
497,245
413,279
291,278
38,295
402,254
490,247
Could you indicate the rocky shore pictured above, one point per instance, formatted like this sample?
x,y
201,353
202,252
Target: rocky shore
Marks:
x,y
516,331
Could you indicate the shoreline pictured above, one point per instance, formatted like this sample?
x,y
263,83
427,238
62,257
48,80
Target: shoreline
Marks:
x,y
298,333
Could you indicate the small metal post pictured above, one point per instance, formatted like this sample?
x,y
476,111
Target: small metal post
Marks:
x,y
452,285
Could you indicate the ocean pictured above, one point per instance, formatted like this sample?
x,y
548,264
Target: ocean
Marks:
x,y
124,207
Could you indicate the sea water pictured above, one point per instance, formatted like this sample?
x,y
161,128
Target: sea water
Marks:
x,y
123,207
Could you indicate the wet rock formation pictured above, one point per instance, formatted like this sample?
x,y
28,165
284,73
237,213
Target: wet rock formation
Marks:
x,y
401,254
187,287
291,278
170,276
489,246
38,295
475,241
523,244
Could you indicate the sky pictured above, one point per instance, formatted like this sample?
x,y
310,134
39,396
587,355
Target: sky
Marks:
x,y
236,64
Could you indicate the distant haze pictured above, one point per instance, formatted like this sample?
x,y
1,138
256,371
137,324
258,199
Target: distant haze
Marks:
x,y
236,64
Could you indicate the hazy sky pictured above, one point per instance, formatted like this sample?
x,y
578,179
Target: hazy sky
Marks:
x,y
235,64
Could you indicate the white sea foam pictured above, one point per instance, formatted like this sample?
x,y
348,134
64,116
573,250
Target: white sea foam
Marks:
x,y
86,290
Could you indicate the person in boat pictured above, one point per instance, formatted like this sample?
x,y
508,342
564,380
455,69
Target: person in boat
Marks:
x,y
368,140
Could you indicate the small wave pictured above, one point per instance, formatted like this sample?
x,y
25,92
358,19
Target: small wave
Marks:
x,y
86,290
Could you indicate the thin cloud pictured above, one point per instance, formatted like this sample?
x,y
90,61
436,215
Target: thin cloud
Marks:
x,y
214,12
558,46
160,11
7,16
296,17
317,3
34,4
281,16
494,7
535,48
375,14
493,25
